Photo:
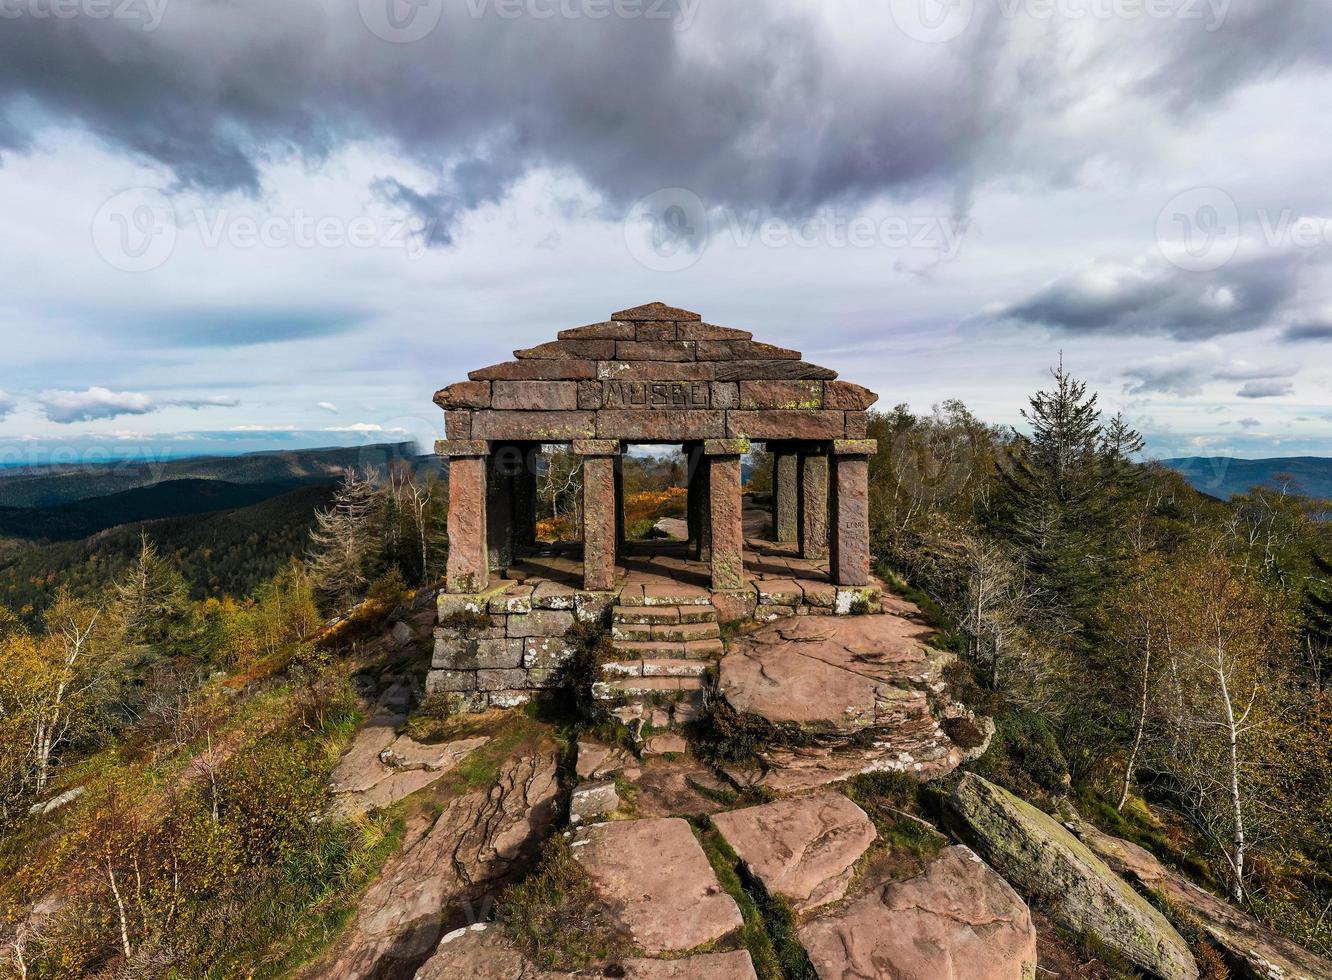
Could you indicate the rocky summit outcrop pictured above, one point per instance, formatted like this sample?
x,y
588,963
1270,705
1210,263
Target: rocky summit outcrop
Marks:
x,y
448,870
1047,863
382,767
481,952
657,882
956,921
1263,953
804,849
855,693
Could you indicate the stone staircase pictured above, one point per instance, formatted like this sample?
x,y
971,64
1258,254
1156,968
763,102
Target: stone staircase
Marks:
x,y
664,640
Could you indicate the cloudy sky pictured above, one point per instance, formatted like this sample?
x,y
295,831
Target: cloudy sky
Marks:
x,y
247,224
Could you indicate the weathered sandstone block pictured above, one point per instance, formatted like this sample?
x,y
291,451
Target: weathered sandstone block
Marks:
x,y
464,394
535,395
569,350
777,424
665,424
632,350
655,311
743,350
791,395
536,371
534,426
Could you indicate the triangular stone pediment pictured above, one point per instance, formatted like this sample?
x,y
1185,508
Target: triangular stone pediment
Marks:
x,y
655,373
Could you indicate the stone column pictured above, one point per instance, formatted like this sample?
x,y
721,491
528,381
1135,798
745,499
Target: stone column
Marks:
x,y
525,498
785,494
619,501
699,504
724,510
468,569
599,506
850,554
501,468
813,505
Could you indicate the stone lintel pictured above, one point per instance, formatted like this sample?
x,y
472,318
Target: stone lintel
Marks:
x,y
596,447
655,311
725,447
461,448
855,447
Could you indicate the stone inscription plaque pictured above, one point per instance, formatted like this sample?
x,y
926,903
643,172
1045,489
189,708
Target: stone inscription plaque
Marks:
x,y
656,394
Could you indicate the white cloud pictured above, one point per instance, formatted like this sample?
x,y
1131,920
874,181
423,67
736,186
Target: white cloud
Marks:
x,y
94,403
7,404
102,403
365,427
328,407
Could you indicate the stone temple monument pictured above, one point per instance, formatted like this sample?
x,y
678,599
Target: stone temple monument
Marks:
x,y
659,375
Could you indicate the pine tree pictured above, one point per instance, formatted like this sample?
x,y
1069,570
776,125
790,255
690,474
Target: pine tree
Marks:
x,y
154,602
343,540
1053,504
1316,613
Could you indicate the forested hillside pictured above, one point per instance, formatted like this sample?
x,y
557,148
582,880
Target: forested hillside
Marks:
x,y
47,486
226,553
174,498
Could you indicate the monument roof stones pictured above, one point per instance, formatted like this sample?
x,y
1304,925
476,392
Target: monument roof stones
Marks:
x,y
655,373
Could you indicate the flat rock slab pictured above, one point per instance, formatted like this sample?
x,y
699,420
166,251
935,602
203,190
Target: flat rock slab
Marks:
x,y
863,689
597,760
1041,857
677,787
658,883
841,672
481,952
360,785
447,867
710,966
804,849
957,921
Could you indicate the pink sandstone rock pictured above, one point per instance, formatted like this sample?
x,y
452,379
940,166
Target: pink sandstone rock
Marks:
x,y
957,921
710,966
804,849
658,883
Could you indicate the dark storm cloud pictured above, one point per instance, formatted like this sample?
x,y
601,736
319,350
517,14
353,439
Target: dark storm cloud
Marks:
x,y
750,105
1308,330
1151,296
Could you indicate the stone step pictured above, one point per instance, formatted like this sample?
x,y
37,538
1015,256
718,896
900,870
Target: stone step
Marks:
x,y
698,614
666,667
665,594
665,649
630,686
645,615
683,632
631,632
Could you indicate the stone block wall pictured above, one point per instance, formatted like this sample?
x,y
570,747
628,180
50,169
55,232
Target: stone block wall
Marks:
x,y
497,649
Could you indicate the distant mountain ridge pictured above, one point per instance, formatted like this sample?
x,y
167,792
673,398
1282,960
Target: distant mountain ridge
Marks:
x,y
48,486
172,498
1225,476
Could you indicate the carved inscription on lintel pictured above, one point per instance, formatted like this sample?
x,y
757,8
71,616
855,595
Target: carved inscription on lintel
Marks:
x,y
656,394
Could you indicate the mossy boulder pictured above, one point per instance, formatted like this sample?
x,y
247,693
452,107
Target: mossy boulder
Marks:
x,y
1054,869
